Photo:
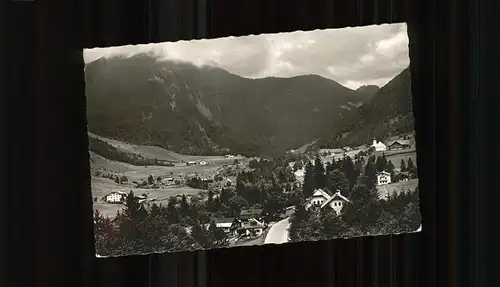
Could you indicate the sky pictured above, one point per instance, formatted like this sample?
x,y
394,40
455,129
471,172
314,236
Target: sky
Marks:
x,y
353,56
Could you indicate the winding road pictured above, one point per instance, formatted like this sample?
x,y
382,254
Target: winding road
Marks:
x,y
278,233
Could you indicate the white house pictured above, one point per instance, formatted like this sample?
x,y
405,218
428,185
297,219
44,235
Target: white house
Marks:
x,y
115,197
336,202
299,174
379,146
226,224
322,199
383,178
318,198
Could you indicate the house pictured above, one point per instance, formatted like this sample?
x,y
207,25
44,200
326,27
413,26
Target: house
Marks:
x,y
336,202
249,223
318,198
402,176
168,181
115,197
399,144
141,198
251,227
379,146
247,214
202,162
299,175
383,178
228,225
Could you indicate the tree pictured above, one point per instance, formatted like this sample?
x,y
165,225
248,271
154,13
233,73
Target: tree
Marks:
x,y
332,225
390,168
172,212
411,218
337,180
151,180
226,194
123,179
134,210
217,236
308,184
185,209
200,234
236,204
369,177
274,204
319,173
412,169
350,172
402,166
364,209
410,165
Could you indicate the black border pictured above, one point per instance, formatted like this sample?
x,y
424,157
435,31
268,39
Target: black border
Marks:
x,y
455,102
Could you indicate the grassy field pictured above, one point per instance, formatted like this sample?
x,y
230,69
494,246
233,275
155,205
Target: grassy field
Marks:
x,y
158,152
396,156
102,186
392,188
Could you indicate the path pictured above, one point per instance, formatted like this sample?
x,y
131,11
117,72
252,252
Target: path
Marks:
x,y
278,233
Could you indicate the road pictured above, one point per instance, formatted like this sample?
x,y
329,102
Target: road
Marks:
x,y
278,233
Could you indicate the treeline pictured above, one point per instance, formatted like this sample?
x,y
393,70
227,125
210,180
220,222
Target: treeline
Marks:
x,y
179,226
365,214
189,225
108,151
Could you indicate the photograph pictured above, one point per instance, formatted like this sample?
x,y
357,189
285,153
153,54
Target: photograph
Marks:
x,y
252,140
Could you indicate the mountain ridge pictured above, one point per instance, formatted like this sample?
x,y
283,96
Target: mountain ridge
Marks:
x,y
208,110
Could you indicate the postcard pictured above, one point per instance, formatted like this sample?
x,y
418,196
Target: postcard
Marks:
x,y
261,139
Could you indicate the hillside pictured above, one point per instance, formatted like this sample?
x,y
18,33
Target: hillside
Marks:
x,y
369,91
209,111
388,113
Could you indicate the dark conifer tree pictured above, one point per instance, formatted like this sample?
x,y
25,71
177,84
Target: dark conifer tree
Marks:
x,y
410,165
319,173
402,166
308,186
185,209
370,177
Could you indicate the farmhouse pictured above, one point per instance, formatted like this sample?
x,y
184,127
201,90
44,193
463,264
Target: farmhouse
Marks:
x,y
249,223
115,197
336,202
321,199
383,178
228,225
318,198
379,146
168,181
398,144
402,176
251,227
247,214
299,174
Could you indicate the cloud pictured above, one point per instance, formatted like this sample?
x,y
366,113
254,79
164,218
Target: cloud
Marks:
x,y
352,56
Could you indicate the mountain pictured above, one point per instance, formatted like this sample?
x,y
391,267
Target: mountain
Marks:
x,y
388,113
207,111
368,91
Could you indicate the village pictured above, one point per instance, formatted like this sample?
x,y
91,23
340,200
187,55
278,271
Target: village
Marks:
x,y
200,181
